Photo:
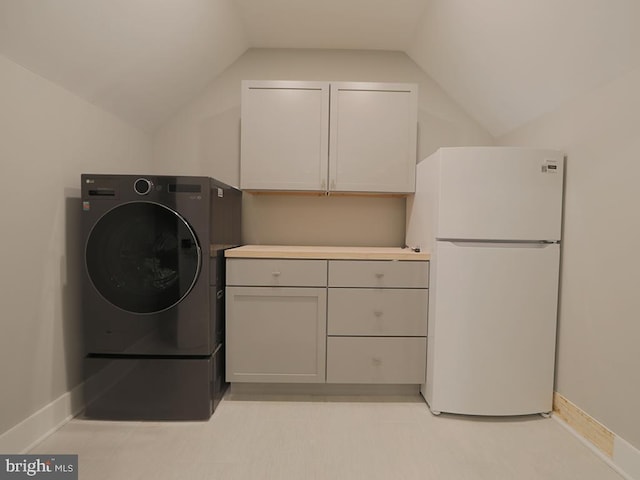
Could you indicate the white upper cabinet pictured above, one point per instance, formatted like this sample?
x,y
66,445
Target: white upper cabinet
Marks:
x,y
328,137
285,127
373,131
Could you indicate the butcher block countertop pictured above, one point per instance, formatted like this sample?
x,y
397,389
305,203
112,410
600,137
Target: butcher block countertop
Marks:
x,y
325,253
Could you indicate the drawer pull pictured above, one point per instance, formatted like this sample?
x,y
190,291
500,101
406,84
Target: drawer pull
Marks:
x,y
376,361
275,274
379,275
377,313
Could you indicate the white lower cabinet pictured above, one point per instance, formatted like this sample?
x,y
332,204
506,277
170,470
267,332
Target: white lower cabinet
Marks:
x,y
377,322
276,334
333,321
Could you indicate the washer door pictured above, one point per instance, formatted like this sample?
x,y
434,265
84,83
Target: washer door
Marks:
x,y
143,257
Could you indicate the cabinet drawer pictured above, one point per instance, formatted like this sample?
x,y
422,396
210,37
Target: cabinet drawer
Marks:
x,y
276,272
376,359
379,312
378,273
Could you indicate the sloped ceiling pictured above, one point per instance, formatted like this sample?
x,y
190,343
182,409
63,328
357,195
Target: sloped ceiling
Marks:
x,y
504,61
139,59
508,61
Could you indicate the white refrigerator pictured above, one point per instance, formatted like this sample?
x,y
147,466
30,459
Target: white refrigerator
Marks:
x,y
491,218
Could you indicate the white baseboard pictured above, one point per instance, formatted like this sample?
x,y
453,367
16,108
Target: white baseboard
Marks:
x,y
32,430
627,457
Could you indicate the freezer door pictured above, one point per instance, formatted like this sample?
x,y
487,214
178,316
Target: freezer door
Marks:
x,y
493,328
500,193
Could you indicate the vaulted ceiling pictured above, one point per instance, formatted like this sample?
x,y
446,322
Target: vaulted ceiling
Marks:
x,y
505,61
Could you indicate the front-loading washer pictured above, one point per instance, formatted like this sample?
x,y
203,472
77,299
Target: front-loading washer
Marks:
x,y
153,282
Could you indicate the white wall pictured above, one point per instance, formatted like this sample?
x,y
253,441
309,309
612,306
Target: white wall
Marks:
x,y
204,139
48,137
599,324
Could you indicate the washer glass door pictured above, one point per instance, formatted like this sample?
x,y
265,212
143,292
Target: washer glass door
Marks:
x,y
143,257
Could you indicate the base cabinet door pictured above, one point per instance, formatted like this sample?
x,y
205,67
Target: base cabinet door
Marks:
x,y
276,334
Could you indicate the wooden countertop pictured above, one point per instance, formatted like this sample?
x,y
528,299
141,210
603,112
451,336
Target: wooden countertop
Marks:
x,y
325,253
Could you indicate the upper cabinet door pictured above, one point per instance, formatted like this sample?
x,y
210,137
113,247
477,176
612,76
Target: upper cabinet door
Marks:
x,y
373,135
284,135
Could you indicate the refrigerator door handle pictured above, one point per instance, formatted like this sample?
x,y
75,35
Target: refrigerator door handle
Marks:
x,y
500,243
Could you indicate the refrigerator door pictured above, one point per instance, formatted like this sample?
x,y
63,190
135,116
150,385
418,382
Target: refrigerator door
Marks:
x,y
492,328
499,193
